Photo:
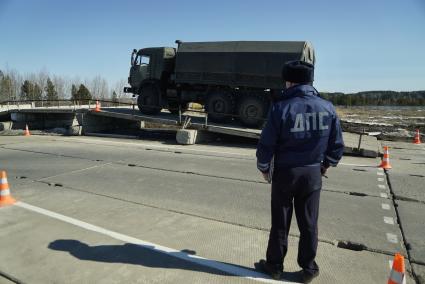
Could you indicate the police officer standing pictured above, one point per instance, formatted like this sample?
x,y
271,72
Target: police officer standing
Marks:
x,y
304,137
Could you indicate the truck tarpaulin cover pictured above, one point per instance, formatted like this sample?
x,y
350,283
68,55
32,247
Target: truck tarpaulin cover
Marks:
x,y
238,63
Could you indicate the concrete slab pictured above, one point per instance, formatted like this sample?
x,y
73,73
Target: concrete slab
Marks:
x,y
359,161
369,179
413,223
420,273
85,256
104,259
371,146
407,176
228,162
408,186
359,220
25,166
352,218
366,146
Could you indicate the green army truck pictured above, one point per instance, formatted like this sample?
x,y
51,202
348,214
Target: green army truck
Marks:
x,y
233,80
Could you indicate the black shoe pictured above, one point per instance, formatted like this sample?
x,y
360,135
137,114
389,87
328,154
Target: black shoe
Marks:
x,y
307,276
275,271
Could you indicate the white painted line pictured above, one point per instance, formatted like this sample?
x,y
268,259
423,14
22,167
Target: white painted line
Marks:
x,y
389,220
384,195
392,238
380,173
385,206
228,268
381,186
380,179
357,165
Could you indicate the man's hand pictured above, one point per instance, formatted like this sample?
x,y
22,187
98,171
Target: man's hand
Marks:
x,y
266,176
323,170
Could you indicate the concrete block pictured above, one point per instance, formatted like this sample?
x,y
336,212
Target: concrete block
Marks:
x,y
74,130
369,146
93,123
7,125
186,136
192,136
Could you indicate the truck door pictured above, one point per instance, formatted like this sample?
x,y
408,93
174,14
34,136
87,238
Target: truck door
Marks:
x,y
140,70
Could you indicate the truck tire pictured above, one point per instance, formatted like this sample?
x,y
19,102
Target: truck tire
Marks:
x,y
219,106
252,110
148,100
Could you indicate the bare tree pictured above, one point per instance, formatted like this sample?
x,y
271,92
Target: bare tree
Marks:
x,y
59,83
98,87
119,88
11,84
41,79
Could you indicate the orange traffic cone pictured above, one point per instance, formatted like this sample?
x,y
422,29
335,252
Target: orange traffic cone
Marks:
x,y
5,197
386,160
398,271
97,109
417,137
27,132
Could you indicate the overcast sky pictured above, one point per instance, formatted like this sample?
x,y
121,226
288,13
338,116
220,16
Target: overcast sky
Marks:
x,y
360,45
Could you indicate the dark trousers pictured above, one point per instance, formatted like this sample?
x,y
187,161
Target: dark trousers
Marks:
x,y
297,187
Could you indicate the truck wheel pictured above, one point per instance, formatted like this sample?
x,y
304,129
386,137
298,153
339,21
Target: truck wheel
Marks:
x,y
148,100
219,106
252,110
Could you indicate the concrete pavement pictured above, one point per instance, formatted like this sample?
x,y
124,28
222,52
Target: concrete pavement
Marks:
x,y
203,199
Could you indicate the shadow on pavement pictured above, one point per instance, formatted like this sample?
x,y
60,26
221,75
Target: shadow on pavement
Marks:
x,y
143,255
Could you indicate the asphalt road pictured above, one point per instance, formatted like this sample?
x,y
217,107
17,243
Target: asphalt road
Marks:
x,y
133,211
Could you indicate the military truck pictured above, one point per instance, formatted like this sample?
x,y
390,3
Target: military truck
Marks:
x,y
233,80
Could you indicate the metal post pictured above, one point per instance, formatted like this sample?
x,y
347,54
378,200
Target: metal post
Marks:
x,y
206,120
360,142
180,115
360,138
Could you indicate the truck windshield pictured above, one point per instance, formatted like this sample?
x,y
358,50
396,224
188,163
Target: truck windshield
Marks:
x,y
142,60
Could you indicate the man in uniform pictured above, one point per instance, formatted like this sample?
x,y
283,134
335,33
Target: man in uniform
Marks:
x,y
304,137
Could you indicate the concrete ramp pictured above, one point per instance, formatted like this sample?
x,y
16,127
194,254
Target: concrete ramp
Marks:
x,y
111,119
361,145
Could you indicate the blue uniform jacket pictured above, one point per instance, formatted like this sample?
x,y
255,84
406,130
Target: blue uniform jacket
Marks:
x,y
302,129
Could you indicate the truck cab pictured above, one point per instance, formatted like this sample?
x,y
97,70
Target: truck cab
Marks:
x,y
150,65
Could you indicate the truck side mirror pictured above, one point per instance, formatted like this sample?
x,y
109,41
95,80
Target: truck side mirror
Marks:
x,y
133,57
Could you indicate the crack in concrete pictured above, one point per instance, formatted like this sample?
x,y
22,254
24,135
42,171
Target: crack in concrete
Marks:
x,y
195,152
45,153
338,243
10,277
121,162
400,224
343,244
403,198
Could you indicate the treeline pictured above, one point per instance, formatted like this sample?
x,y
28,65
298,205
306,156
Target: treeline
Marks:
x,y
43,86
377,98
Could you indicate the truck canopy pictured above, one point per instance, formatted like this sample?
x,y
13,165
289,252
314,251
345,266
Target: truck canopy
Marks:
x,y
238,63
